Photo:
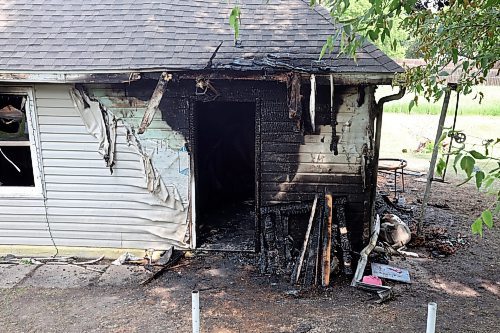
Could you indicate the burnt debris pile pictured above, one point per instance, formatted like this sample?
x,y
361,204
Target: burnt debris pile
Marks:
x,y
308,257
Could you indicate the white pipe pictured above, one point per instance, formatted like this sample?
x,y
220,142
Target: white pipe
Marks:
x,y
431,317
195,297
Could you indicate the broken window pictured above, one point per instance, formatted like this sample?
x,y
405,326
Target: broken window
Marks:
x,y
16,141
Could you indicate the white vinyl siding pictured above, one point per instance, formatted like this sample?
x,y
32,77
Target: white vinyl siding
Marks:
x,y
86,204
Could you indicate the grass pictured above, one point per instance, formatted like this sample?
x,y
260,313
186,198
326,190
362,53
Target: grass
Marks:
x,y
468,105
402,133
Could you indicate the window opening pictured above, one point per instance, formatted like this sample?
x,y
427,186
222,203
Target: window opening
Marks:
x,y
16,165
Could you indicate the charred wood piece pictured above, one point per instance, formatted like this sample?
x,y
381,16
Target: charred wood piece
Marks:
x,y
212,57
361,95
335,103
300,260
326,235
326,241
276,245
312,267
176,256
294,97
345,243
154,101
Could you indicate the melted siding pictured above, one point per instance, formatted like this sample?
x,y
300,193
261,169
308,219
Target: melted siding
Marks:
x,y
86,205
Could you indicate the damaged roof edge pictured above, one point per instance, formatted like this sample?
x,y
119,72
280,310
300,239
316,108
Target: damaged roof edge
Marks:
x,y
345,78
59,77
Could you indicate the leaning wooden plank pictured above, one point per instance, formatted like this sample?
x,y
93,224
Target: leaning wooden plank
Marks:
x,y
300,260
154,102
312,266
327,241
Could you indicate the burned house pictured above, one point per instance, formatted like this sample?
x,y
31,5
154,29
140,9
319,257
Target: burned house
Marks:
x,y
140,125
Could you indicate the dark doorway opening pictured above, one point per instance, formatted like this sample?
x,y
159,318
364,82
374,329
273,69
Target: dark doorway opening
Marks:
x,y
225,175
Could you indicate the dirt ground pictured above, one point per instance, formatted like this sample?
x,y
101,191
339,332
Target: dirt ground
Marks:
x,y
236,298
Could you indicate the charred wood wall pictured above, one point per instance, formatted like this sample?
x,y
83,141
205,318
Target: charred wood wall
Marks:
x,y
296,161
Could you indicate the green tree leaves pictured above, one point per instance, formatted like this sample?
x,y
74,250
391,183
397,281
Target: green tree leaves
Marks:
x,y
477,155
486,219
467,164
487,180
441,165
464,34
479,178
234,21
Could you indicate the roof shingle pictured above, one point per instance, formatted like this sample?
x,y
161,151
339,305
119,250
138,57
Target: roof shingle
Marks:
x,y
123,35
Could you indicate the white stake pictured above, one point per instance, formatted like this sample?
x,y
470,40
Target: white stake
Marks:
x,y
195,297
431,317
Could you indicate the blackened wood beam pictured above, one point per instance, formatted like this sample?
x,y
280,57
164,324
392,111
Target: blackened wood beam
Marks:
x,y
154,102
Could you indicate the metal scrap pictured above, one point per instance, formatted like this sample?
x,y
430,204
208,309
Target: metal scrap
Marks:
x,y
383,292
391,273
203,86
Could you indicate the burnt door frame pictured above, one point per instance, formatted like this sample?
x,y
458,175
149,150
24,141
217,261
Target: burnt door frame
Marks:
x,y
193,126
258,150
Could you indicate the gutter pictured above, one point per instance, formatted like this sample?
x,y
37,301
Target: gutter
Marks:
x,y
379,110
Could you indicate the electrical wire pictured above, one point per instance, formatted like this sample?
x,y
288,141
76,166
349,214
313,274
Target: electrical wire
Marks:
x,y
39,163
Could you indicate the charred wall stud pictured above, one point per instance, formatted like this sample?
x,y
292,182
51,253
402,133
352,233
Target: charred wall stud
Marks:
x,y
294,97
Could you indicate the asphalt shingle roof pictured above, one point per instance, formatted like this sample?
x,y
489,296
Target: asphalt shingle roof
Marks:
x,y
121,35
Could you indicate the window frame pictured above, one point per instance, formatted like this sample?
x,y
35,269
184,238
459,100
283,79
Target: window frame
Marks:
x,y
34,144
